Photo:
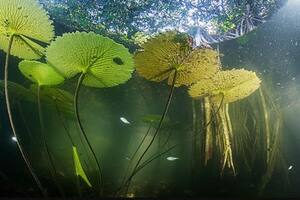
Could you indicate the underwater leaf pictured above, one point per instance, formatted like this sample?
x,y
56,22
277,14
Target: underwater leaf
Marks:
x,y
170,52
17,91
154,119
54,96
78,167
49,96
40,73
29,23
233,84
105,62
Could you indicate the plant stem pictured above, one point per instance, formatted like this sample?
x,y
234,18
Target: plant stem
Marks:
x,y
208,132
148,161
136,151
7,102
44,139
158,128
79,124
266,120
227,159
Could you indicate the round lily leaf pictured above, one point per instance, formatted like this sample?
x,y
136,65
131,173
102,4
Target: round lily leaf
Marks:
x,y
30,25
40,73
170,52
231,85
104,62
161,55
199,64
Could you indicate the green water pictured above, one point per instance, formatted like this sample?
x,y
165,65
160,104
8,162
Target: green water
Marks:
x,y
113,121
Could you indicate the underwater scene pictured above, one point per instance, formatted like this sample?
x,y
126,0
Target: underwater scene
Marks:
x,y
150,98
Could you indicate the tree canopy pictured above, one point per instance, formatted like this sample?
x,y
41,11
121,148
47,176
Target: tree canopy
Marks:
x,y
126,18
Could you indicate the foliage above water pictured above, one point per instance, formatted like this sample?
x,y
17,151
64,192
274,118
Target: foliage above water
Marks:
x,y
127,17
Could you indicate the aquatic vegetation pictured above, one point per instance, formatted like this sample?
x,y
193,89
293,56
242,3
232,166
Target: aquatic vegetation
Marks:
x,y
224,88
62,100
17,91
233,84
171,53
169,56
43,75
258,124
153,120
50,96
99,61
22,24
78,167
40,73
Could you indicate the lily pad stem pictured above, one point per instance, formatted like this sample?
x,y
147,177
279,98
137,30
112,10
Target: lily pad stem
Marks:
x,y
52,167
7,102
79,124
158,128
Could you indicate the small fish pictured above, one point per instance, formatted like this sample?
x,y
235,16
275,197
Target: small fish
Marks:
x,y
290,167
171,158
124,120
61,173
14,139
127,158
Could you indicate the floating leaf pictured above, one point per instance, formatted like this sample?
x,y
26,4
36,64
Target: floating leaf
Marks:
x,y
78,167
29,23
40,73
200,63
170,52
161,55
233,84
105,62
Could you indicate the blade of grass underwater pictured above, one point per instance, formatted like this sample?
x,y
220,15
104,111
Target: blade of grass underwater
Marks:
x,y
78,167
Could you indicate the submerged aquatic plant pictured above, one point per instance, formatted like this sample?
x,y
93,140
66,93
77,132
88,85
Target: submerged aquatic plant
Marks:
x,y
98,60
43,75
78,167
23,25
169,56
50,96
224,88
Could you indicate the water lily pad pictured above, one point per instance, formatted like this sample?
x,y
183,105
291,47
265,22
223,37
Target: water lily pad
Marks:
x,y
104,62
29,23
171,51
40,73
232,85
